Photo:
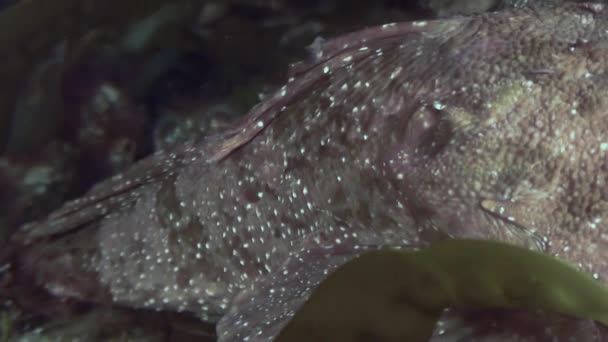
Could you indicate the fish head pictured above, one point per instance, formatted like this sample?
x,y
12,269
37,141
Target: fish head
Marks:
x,y
508,139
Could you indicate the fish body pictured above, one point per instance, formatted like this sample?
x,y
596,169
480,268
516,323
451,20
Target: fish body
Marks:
x,y
488,127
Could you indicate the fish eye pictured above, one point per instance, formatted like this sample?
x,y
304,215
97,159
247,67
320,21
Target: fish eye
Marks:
x,y
428,131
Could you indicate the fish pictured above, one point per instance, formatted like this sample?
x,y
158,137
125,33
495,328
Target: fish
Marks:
x,y
492,127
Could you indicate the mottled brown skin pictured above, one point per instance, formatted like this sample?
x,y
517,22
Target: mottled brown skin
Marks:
x,y
490,127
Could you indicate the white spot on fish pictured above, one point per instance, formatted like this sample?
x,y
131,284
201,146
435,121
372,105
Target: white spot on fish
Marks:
x,y
438,105
396,72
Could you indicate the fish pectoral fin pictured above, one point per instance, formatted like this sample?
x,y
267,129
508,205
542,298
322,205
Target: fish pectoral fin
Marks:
x,y
358,302
260,312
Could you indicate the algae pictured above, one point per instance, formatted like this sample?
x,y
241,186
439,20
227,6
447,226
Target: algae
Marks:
x,y
398,295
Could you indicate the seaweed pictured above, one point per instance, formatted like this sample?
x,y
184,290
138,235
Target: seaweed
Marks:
x,y
399,295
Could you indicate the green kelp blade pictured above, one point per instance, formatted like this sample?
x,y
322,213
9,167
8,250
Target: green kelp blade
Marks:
x,y
493,274
371,299
398,295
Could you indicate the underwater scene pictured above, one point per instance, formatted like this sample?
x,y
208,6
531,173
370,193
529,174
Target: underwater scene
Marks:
x,y
287,170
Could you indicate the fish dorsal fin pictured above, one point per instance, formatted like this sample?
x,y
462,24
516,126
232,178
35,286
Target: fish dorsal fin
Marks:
x,y
108,196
